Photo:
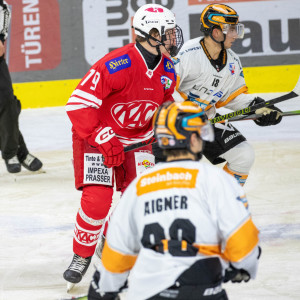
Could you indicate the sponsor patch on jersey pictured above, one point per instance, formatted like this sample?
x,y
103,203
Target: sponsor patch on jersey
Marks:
x,y
117,64
143,161
166,82
94,171
232,68
169,66
189,50
218,94
166,179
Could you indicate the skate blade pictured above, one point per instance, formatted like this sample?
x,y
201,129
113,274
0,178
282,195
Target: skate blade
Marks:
x,y
76,298
70,285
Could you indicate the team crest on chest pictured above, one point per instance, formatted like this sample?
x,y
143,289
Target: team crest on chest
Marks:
x,y
133,114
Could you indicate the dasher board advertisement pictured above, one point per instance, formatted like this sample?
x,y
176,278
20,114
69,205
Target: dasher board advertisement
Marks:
x,y
271,27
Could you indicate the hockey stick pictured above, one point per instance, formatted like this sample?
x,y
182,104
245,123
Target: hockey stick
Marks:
x,y
251,109
255,116
140,145
231,119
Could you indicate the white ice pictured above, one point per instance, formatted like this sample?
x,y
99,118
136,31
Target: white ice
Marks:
x,y
37,211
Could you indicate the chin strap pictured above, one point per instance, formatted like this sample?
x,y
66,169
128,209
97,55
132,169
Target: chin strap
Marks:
x,y
148,37
222,43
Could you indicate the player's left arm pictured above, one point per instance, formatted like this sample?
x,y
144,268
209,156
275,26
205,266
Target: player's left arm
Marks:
x,y
240,237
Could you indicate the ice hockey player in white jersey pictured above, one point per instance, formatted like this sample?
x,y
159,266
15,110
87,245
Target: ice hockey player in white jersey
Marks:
x,y
182,228
211,75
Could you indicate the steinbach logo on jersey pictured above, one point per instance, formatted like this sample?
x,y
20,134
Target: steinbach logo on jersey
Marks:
x,y
134,114
166,82
119,63
232,68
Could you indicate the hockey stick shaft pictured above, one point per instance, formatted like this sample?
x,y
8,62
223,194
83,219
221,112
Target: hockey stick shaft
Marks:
x,y
140,145
255,116
234,119
251,109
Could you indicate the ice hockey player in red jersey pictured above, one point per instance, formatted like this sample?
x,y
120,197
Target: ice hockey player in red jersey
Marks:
x,y
112,107
210,74
181,228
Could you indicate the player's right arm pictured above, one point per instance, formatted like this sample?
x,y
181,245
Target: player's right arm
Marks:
x,y
83,109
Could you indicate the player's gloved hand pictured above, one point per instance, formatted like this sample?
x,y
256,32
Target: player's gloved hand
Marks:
x,y
95,294
271,114
105,140
109,296
236,275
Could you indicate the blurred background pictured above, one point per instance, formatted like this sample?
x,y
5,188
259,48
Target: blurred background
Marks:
x,y
53,43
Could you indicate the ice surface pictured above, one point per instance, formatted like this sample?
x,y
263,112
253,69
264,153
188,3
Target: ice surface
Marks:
x,y
37,211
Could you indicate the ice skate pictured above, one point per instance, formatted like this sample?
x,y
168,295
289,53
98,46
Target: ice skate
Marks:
x,y
76,270
13,165
31,163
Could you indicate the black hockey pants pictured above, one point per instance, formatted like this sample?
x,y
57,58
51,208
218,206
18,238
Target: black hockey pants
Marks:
x,y
202,281
11,139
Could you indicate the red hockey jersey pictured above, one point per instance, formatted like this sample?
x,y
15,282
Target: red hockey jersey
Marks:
x,y
120,91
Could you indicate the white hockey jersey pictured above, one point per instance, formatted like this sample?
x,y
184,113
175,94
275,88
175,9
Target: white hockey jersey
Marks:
x,y
181,195
198,80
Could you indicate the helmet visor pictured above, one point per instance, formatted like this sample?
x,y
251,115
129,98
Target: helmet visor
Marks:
x,y
205,129
207,133
236,31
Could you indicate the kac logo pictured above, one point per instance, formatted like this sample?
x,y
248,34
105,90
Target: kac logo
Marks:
x,y
135,114
166,82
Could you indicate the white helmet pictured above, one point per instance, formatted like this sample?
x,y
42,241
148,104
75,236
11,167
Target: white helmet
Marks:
x,y
151,16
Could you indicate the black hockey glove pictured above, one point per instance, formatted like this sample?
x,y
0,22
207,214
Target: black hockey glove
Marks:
x,y
271,114
95,294
236,275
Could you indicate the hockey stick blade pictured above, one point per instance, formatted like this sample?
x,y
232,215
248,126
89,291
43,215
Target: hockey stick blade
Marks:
x,y
252,109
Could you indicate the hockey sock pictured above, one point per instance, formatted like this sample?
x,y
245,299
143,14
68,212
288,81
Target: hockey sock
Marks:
x,y
95,204
241,178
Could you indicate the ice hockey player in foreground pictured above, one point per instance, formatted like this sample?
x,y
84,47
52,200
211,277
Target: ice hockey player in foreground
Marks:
x,y
182,228
211,75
